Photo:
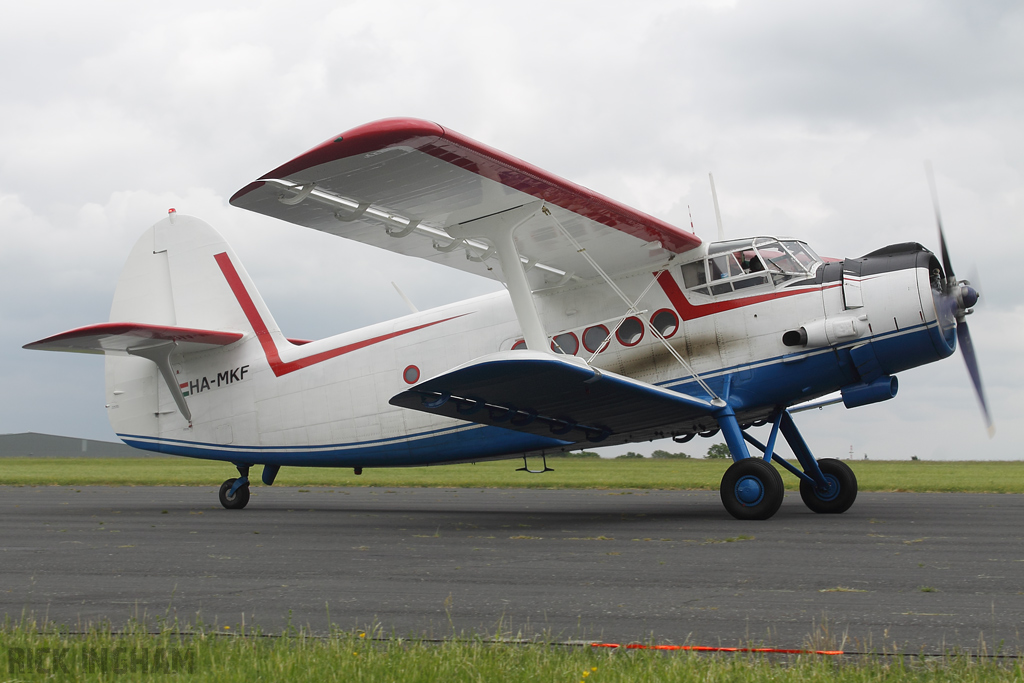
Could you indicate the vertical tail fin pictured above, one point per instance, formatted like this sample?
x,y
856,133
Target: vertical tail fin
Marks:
x,y
181,274
174,276
183,314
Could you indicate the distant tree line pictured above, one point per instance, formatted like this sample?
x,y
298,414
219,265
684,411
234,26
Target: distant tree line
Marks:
x,y
667,455
717,451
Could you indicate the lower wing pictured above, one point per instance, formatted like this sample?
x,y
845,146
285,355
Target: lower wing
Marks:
x,y
549,395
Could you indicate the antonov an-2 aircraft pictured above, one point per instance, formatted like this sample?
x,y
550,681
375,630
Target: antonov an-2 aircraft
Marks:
x,y
613,327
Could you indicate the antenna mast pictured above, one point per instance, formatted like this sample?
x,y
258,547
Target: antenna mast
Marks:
x,y
718,214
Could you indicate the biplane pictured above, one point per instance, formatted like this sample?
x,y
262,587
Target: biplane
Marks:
x,y
612,327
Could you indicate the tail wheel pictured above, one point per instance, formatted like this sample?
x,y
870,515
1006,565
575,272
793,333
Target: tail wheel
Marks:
x,y
841,493
237,501
752,489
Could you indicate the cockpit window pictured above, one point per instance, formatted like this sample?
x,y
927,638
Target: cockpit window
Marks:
x,y
726,265
779,262
803,254
749,264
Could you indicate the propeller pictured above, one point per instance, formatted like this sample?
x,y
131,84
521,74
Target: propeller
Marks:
x,y
960,297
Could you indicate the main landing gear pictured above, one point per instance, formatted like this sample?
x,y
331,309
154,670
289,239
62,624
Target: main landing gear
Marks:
x,y
841,491
752,488
234,493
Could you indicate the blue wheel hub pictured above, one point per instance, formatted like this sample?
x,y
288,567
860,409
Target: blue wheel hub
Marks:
x,y
749,491
830,493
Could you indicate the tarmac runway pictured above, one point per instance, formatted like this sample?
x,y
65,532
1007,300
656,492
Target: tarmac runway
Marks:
x,y
915,571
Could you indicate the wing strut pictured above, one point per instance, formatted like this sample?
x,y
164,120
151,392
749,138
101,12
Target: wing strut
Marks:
x,y
716,401
498,229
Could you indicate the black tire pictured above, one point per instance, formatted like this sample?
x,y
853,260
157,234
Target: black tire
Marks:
x,y
237,501
752,489
842,494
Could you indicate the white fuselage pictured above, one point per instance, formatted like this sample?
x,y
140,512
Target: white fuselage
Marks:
x,y
326,402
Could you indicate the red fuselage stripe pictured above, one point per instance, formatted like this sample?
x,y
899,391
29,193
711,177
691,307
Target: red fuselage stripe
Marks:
x,y
688,311
266,340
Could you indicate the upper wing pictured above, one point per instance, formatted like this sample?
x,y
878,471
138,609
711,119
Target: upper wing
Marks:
x,y
399,183
120,337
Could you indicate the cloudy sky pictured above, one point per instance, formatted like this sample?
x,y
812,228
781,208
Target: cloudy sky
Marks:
x,y
814,117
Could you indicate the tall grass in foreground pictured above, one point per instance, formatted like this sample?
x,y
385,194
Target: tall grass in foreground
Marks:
x,y
30,652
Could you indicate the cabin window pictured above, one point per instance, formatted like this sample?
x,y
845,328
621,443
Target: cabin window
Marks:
x,y
666,322
593,337
694,274
630,332
566,343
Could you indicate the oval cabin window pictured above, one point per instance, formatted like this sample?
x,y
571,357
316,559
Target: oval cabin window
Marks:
x,y
593,337
565,343
666,322
631,331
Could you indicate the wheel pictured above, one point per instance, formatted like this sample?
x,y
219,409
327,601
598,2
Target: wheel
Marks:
x,y
752,489
237,501
842,488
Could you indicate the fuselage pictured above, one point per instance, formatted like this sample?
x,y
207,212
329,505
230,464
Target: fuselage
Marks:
x,y
759,337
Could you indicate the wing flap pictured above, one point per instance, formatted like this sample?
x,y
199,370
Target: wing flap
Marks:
x,y
398,184
550,396
120,337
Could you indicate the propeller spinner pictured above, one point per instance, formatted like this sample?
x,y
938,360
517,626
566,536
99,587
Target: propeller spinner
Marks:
x,y
960,298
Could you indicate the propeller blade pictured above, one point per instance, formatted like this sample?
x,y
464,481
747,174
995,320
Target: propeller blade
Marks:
x,y
946,264
963,337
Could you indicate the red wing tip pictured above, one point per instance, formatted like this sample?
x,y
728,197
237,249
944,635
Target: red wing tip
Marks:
x,y
368,137
397,124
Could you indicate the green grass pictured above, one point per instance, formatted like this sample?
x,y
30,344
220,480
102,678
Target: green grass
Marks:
x,y
29,653
586,473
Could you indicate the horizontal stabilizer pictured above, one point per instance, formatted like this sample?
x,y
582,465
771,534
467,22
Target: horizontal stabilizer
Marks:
x,y
552,396
118,338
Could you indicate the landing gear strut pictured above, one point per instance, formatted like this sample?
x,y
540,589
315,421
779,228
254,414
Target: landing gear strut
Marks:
x,y
234,493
